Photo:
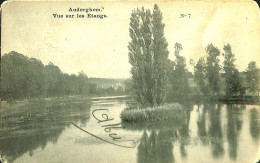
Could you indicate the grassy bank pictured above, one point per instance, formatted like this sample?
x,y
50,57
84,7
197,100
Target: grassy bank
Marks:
x,y
173,112
172,125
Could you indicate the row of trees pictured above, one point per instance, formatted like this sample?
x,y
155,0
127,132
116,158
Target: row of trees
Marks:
x,y
157,79
25,78
209,74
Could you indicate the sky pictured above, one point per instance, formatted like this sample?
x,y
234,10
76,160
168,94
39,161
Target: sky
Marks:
x,y
98,47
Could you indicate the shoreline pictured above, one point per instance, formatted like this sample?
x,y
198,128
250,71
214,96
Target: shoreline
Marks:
x,y
18,103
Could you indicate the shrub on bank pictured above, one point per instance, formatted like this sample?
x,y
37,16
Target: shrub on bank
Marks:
x,y
173,112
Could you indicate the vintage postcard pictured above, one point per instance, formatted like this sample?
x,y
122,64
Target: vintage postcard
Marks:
x,y
148,81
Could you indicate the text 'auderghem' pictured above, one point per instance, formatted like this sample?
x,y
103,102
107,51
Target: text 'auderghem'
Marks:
x,y
86,10
82,13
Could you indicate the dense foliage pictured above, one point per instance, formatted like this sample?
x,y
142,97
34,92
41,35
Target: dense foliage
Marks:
x,y
156,79
200,76
213,69
208,75
25,78
231,73
179,86
253,78
148,55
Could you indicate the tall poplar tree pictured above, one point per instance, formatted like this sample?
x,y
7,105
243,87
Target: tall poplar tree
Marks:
x,y
200,76
232,78
148,55
212,69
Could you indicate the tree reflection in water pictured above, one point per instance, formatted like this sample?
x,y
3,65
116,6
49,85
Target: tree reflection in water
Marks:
x,y
35,124
234,125
215,130
155,148
201,124
158,145
254,124
184,133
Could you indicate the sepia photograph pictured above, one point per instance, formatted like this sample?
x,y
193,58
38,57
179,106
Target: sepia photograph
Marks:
x,y
147,81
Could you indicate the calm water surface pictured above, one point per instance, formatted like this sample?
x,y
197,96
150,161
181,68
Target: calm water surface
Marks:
x,y
42,131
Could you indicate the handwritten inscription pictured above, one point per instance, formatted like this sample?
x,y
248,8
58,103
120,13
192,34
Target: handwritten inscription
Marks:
x,y
103,118
107,128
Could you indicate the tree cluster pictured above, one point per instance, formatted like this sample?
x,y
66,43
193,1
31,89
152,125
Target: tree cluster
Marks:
x,y
208,75
25,78
156,79
178,74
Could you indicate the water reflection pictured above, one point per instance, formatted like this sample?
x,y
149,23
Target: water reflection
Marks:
x,y
254,123
213,130
155,148
33,125
184,133
234,125
157,145
201,124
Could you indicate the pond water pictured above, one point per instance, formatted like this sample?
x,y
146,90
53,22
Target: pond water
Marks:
x,y
91,131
